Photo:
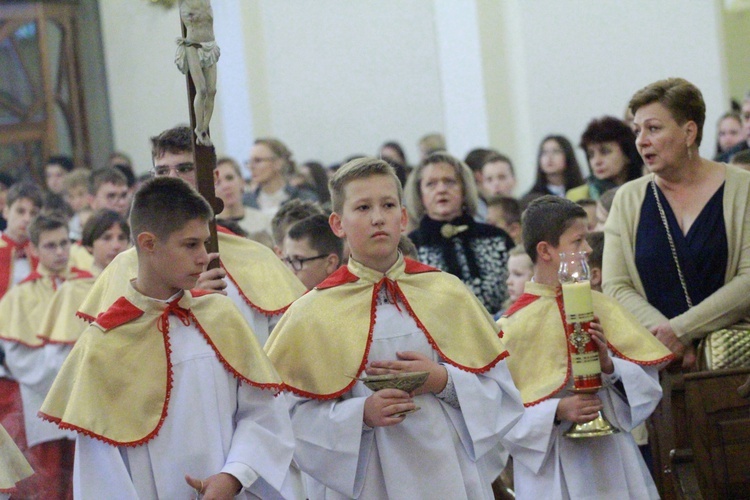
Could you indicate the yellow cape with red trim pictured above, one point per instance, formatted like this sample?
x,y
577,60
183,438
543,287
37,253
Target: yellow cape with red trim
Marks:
x,y
322,341
60,324
13,465
534,333
116,382
22,308
7,261
80,258
265,283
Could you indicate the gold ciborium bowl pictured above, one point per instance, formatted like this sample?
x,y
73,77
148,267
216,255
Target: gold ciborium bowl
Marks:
x,y
406,382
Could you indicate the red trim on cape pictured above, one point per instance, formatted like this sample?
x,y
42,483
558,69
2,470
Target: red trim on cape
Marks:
x,y
225,363
561,307
668,357
85,317
415,267
340,276
119,313
222,229
79,274
522,301
247,300
33,276
434,345
151,435
199,292
25,344
56,342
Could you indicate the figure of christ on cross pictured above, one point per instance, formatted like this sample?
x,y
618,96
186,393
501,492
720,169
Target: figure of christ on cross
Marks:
x,y
198,53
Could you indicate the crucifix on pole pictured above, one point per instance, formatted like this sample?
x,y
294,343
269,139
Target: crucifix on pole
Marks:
x,y
197,55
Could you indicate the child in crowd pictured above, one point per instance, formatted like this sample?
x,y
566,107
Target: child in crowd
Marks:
x,y
258,283
595,240
589,206
547,464
288,214
55,171
384,314
76,195
557,169
108,189
520,271
168,390
23,203
311,250
505,212
47,448
105,235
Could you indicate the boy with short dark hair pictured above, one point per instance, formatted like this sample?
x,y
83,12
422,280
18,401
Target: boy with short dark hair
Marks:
x,y
547,464
168,390
108,188
23,203
311,250
384,314
259,284
48,449
55,171
288,214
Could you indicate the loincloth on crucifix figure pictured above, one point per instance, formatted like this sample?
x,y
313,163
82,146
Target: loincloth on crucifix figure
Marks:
x,y
197,54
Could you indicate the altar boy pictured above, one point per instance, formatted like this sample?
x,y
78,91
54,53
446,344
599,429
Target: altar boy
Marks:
x,y
383,314
169,391
546,463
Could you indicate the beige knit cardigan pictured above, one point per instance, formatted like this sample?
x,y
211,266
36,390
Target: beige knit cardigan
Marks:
x,y
727,306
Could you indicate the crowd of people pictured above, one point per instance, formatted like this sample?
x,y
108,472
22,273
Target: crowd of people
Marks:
x,y
130,369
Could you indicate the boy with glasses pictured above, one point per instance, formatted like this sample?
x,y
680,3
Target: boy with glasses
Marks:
x,y
312,251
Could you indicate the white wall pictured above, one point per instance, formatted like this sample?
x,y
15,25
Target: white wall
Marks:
x,y
584,59
334,77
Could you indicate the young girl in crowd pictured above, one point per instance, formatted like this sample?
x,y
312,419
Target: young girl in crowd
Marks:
x,y
557,169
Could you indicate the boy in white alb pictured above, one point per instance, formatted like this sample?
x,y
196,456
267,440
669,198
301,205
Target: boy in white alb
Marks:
x,y
546,463
168,390
385,314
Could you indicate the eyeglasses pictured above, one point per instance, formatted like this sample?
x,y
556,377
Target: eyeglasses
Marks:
x,y
53,246
296,263
181,169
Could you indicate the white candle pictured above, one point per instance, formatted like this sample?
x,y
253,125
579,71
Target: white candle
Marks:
x,y
579,307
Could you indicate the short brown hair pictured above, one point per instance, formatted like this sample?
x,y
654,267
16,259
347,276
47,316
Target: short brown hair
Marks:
x,y
289,213
546,219
465,177
511,208
43,223
595,240
26,190
174,140
78,177
164,205
683,100
99,223
105,176
359,168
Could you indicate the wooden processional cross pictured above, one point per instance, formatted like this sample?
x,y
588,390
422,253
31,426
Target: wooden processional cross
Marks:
x,y
205,163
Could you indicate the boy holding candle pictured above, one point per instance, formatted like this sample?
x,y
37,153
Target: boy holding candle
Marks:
x,y
548,464
384,314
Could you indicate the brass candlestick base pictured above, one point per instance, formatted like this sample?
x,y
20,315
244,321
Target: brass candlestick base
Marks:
x,y
598,427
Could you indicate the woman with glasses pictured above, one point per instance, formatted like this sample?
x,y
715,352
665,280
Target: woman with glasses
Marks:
x,y
270,165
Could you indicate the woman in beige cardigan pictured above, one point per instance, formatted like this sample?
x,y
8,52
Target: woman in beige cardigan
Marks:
x,y
704,206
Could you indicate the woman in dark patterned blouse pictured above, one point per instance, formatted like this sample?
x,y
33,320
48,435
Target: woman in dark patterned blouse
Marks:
x,y
442,196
